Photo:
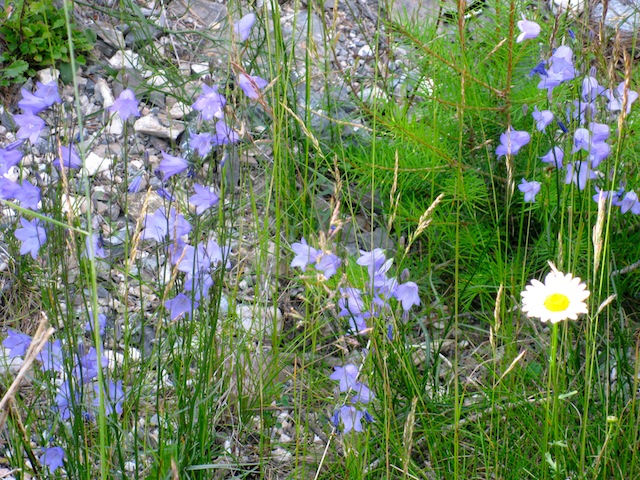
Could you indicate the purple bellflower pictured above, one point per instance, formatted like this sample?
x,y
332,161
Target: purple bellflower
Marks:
x,y
30,125
201,143
171,165
561,69
136,182
616,98
126,105
305,254
224,134
512,141
579,173
347,376
407,293
599,131
554,156
9,157
605,195
17,343
599,151
591,89
51,356
210,103
102,323
581,140
251,85
351,418
94,247
158,226
65,400
528,29
32,103
328,263
630,202
242,28
32,235
542,118
180,305
69,158
53,458
87,369
204,198
48,92
114,398
28,195
530,190
350,302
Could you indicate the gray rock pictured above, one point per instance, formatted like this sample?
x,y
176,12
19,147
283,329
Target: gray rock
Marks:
x,y
151,125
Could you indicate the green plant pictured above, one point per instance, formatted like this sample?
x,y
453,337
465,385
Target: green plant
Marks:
x,y
34,34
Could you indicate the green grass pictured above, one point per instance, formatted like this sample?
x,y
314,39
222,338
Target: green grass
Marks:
x,y
467,387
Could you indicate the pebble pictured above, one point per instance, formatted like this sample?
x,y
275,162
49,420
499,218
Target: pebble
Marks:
x,y
150,125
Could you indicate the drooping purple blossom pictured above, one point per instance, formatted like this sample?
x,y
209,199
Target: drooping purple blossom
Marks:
x,y
350,302
102,323
242,27
126,105
554,156
203,199
407,293
157,226
69,158
581,140
542,118
347,376
114,398
32,235
616,98
180,305
52,458
328,264
30,102
528,29
48,92
94,248
135,182
591,89
66,399
28,195
351,418
599,152
17,343
9,157
599,131
560,69
51,356
210,103
512,141
201,143
304,254
530,190
171,165
630,203
251,85
30,125
579,173
224,134
87,369
358,324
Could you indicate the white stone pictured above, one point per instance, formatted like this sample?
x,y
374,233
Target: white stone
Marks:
x,y
9,365
199,68
179,110
48,75
365,52
95,164
128,59
102,88
150,125
158,80
281,455
116,125
76,204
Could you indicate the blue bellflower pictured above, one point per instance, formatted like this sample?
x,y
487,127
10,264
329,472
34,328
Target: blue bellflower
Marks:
x,y
32,103
69,158
52,458
126,105
17,343
30,126
28,195
251,85
554,156
542,118
171,165
114,398
210,103
32,235
203,199
51,356
512,141
530,190
528,30
48,92
242,28
180,305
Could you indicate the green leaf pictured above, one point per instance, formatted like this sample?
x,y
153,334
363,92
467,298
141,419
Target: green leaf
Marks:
x,y
16,69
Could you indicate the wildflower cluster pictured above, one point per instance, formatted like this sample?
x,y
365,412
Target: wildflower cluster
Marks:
x,y
581,136
361,307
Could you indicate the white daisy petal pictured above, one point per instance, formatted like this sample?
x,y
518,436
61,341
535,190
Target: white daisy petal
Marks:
x,y
559,298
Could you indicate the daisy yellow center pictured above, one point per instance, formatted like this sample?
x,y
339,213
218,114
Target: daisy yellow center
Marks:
x,y
556,302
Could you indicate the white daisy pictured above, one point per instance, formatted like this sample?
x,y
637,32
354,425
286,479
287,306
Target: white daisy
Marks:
x,y
560,297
